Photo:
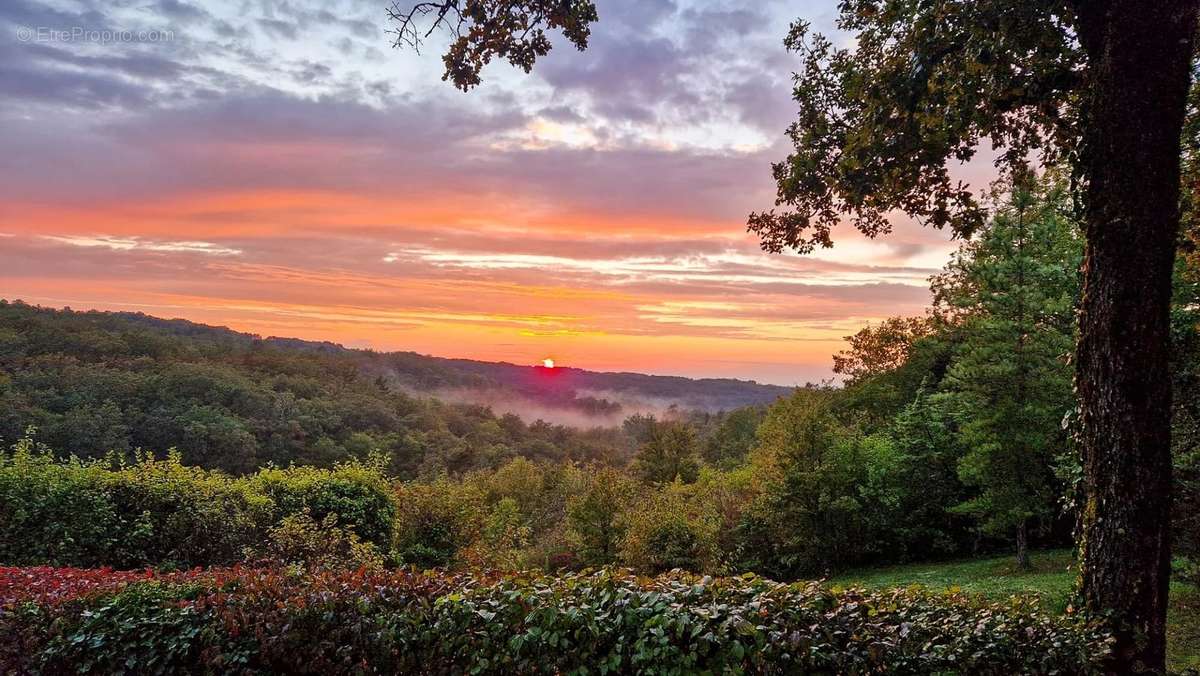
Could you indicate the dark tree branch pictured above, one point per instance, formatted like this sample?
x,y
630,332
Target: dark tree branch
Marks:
x,y
407,32
513,30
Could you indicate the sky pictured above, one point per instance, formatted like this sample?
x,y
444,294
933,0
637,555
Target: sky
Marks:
x,y
279,168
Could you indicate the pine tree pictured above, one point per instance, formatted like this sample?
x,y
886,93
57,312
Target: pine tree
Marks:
x,y
1014,291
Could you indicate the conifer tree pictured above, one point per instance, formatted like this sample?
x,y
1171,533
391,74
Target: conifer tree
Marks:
x,y
1009,385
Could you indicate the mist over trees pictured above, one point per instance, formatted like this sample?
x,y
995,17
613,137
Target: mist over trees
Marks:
x,y
92,382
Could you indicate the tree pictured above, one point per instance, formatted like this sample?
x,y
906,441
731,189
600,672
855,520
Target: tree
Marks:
x,y
734,437
1009,385
639,427
669,454
927,479
436,522
1134,109
876,350
876,398
669,531
91,430
811,516
886,364
504,535
594,516
1102,85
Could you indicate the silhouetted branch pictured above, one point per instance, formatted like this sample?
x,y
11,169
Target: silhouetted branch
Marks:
x,y
483,30
408,32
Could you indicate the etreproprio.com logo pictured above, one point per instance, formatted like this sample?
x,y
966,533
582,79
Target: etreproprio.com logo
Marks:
x,y
98,35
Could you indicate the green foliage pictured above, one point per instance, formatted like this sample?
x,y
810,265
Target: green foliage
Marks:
x,y
162,513
435,522
539,490
1014,292
670,453
1051,578
829,495
640,427
605,622
811,514
733,438
876,350
302,540
926,482
540,494
973,398
821,480
916,90
144,629
873,401
358,495
594,516
54,513
94,382
504,538
169,514
668,531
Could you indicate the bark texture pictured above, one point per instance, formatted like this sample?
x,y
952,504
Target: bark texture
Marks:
x,y
1023,546
1139,55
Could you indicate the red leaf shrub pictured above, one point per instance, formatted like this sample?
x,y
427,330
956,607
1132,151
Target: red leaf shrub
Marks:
x,y
333,622
49,585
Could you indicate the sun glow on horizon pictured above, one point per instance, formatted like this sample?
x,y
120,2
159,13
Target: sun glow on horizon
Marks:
x,y
548,363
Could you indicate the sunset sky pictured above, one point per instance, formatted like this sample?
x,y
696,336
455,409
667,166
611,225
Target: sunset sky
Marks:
x,y
278,168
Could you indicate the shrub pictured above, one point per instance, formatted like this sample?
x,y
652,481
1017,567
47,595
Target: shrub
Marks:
x,y
300,539
161,513
503,539
357,493
52,512
667,532
435,521
150,512
283,621
169,514
70,620
111,636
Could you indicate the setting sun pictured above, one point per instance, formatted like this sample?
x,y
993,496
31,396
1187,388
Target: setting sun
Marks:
x,y
548,363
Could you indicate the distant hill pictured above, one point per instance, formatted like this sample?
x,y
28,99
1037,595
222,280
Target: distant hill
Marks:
x,y
90,382
565,389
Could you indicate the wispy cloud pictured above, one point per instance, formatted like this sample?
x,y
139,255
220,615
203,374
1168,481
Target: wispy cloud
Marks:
x,y
131,243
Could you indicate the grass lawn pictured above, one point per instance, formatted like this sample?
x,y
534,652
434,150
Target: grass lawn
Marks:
x,y
1052,578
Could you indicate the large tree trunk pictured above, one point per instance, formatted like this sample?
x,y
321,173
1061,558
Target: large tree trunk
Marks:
x,y
1138,57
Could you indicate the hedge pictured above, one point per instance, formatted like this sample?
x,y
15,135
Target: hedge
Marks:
x,y
160,513
294,621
